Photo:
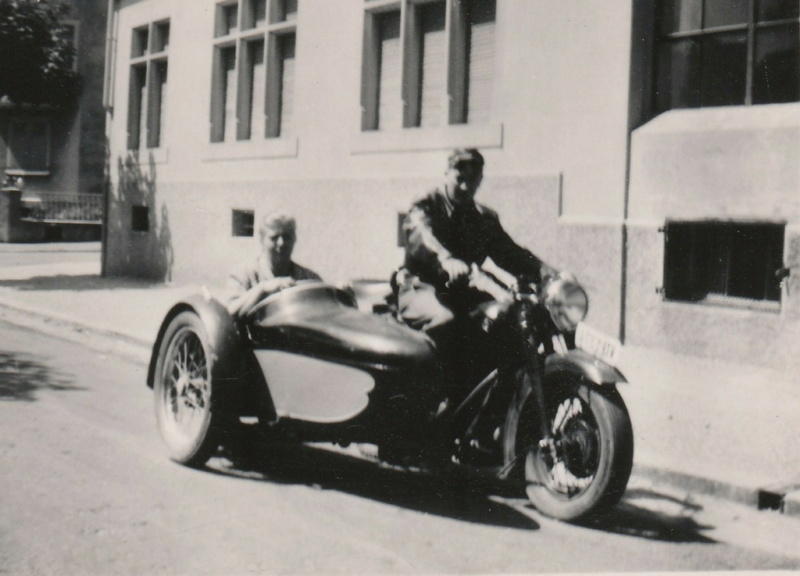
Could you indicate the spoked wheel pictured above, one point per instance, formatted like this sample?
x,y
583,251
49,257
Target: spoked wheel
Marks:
x,y
183,392
584,463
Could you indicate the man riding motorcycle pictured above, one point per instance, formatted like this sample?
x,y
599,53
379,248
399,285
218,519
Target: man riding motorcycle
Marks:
x,y
446,233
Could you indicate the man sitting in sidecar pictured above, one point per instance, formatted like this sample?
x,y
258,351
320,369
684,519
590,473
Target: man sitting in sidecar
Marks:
x,y
273,270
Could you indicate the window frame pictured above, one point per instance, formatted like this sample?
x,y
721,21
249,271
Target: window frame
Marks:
x,y
270,31
12,167
702,266
148,72
75,27
457,30
751,28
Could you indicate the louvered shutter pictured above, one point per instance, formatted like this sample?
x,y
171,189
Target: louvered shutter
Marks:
x,y
257,119
481,71
229,72
287,86
142,103
434,66
389,82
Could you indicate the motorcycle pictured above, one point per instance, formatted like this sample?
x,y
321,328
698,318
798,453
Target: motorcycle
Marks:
x,y
537,404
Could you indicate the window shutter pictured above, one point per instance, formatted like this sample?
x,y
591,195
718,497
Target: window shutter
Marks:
x,y
229,71
287,86
257,120
142,102
481,72
434,71
389,83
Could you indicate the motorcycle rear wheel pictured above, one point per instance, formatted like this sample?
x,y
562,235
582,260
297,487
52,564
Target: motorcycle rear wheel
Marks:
x,y
584,467
186,417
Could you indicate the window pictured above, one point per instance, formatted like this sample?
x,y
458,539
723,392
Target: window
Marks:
x,y
140,218
724,262
148,86
69,34
242,222
427,63
28,146
252,94
727,52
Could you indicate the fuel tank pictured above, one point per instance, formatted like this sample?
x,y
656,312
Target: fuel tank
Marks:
x,y
322,321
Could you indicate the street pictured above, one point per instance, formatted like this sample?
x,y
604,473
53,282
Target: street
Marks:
x,y
86,489
36,253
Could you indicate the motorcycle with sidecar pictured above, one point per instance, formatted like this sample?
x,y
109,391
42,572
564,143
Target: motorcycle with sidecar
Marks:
x,y
538,405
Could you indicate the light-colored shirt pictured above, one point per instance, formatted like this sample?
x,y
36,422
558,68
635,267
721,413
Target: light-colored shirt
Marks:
x,y
248,276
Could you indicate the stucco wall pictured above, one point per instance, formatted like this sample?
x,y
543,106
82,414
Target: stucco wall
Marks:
x,y
555,149
348,229
733,163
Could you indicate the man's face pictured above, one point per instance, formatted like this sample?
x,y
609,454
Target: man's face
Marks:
x,y
278,243
462,181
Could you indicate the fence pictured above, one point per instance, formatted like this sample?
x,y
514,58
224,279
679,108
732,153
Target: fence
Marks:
x,y
58,208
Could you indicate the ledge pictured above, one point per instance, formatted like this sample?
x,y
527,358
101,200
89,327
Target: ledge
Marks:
x,y
159,155
252,150
442,138
29,173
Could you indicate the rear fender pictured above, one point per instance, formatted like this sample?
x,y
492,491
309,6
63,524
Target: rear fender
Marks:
x,y
580,364
224,338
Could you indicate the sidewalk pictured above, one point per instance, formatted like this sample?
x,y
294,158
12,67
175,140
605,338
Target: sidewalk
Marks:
x,y
705,426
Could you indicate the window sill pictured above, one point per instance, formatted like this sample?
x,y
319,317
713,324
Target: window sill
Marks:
x,y
441,138
252,150
158,155
734,303
28,173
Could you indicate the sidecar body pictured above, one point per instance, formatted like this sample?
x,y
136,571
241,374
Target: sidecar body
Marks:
x,y
308,360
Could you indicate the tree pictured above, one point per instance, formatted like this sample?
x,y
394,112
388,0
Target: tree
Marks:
x,y
36,53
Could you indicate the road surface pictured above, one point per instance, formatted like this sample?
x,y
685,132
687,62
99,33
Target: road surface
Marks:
x,y
86,488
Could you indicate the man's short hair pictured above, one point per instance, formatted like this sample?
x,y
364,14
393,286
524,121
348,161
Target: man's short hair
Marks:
x,y
275,220
465,156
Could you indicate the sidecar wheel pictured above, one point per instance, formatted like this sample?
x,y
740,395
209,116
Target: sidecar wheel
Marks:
x,y
585,468
185,414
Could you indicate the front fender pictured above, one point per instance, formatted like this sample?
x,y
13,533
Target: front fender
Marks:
x,y
224,338
581,364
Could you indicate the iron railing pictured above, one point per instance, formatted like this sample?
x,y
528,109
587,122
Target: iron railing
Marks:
x,y
60,208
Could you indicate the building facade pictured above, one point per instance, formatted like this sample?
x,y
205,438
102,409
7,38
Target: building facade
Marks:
x,y
597,148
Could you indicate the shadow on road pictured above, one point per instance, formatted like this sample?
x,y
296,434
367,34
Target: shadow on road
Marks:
x,y
324,470
652,515
642,513
22,375
80,283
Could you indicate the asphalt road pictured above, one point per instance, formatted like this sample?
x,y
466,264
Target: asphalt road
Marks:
x,y
85,488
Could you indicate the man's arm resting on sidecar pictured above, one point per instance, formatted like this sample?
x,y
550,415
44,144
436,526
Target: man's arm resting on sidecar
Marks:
x,y
242,303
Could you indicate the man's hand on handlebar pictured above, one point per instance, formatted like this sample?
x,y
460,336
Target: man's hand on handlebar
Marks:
x,y
456,270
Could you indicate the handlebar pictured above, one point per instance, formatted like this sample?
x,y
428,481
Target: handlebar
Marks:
x,y
489,284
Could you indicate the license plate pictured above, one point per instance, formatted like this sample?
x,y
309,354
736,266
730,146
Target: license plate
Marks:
x,y
599,345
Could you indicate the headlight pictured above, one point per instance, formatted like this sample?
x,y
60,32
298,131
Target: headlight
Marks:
x,y
567,303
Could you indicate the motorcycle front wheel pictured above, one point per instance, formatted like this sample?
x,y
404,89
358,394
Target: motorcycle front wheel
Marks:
x,y
583,465
185,415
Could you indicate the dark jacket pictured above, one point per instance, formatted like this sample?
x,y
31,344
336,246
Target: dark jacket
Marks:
x,y
435,229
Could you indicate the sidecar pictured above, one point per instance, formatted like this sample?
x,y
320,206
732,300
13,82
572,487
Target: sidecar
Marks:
x,y
310,363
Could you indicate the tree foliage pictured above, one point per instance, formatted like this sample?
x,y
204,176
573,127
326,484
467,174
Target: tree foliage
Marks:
x,y
36,53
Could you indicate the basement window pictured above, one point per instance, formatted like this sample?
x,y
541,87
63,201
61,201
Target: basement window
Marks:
x,y
242,223
140,218
733,264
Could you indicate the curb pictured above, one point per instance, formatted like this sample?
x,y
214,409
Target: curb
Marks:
x,y
67,328
780,498
785,499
